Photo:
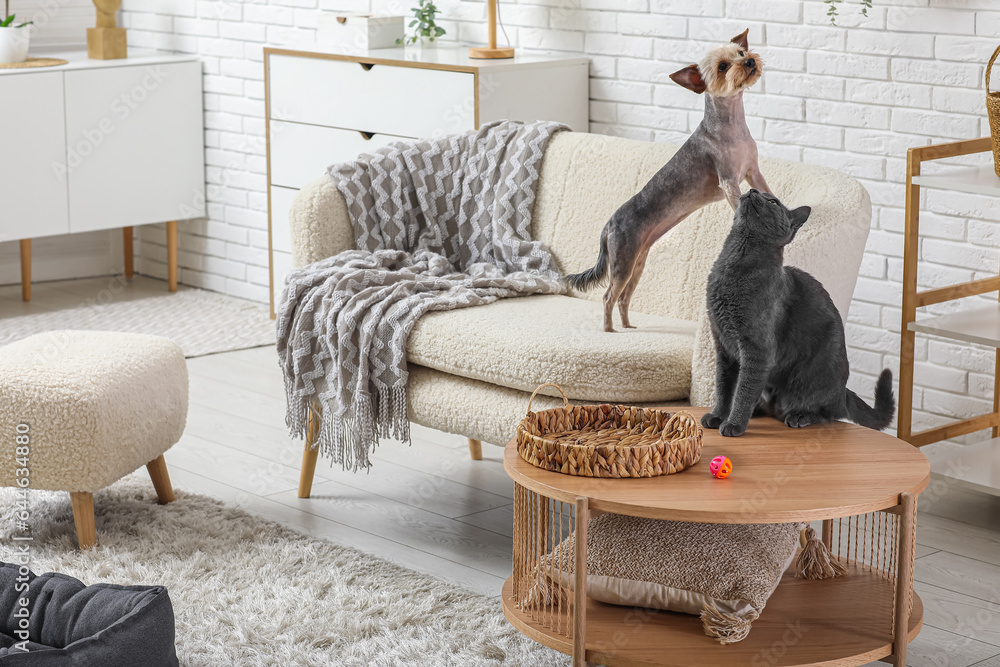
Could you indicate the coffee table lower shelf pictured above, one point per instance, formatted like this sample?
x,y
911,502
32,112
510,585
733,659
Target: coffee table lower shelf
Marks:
x,y
841,622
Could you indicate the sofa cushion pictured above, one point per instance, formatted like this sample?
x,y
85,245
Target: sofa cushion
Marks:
x,y
72,624
524,342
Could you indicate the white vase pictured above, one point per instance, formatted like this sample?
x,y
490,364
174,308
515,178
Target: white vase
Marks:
x,y
14,44
425,44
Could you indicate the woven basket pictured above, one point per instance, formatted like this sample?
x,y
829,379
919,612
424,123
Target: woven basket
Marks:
x,y
608,440
993,109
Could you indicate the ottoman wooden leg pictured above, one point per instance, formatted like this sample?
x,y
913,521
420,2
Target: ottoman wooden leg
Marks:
x,y
476,449
26,269
309,456
161,480
83,516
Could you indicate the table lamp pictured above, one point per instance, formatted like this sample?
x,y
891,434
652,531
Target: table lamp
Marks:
x,y
491,51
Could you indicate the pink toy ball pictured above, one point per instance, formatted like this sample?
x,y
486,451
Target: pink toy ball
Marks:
x,y
720,467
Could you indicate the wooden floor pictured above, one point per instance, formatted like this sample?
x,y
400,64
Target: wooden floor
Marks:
x,y
431,508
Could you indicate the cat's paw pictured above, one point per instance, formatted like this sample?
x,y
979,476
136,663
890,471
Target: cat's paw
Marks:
x,y
732,430
711,421
797,420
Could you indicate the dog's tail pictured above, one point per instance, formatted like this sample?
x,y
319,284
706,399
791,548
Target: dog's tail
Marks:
x,y
885,404
597,273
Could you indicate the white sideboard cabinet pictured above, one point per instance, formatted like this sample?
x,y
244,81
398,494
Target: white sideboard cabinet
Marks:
x,y
101,144
325,107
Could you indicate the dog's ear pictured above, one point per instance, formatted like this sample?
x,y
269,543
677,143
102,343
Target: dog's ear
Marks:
x,y
741,40
690,78
798,217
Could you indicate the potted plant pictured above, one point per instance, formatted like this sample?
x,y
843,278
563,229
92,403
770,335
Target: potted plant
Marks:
x,y
425,29
13,37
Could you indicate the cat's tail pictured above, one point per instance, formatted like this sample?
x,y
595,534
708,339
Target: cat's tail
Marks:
x,y
881,415
595,274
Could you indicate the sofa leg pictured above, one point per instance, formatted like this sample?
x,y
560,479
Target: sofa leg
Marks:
x,y
161,480
309,456
83,516
476,449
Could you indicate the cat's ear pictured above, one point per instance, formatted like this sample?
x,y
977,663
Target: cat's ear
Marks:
x,y
799,216
690,78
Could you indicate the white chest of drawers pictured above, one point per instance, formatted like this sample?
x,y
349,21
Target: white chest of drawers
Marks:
x,y
100,144
325,107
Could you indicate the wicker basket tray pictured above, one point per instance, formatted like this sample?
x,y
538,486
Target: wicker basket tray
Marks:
x,y
608,440
993,112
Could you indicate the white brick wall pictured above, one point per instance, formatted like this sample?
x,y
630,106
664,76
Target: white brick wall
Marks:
x,y
854,97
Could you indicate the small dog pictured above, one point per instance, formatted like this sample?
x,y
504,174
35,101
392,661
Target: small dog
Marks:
x,y
711,164
779,339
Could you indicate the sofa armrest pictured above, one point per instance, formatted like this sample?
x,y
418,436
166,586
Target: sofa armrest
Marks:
x,y
319,223
703,365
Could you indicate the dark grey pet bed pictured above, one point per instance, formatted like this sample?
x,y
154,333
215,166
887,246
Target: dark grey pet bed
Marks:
x,y
75,625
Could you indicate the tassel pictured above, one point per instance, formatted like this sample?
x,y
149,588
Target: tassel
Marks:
x,y
815,561
725,627
545,592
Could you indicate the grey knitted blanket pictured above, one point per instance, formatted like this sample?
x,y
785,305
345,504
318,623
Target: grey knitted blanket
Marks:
x,y
439,224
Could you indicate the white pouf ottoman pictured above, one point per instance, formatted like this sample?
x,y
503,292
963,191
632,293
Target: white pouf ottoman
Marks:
x,y
81,409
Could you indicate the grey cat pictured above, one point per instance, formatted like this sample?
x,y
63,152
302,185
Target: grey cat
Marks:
x,y
779,339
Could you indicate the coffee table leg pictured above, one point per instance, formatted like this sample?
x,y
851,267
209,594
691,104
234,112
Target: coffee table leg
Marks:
x,y
580,585
828,533
904,577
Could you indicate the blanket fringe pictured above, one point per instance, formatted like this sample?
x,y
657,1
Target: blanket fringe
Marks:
x,y
348,439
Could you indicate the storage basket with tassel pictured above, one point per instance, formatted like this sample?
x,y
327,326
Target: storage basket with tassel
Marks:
x,y
993,109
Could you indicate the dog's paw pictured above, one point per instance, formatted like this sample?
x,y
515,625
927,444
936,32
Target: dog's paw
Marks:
x,y
798,420
732,430
711,421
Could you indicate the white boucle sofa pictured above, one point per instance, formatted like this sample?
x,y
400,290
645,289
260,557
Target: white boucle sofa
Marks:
x,y
472,370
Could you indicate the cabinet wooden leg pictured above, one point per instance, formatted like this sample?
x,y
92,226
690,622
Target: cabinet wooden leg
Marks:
x,y
904,577
127,245
172,255
161,480
26,269
309,456
476,449
83,516
580,585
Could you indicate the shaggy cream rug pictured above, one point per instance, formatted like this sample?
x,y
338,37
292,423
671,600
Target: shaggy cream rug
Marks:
x,y
252,593
201,322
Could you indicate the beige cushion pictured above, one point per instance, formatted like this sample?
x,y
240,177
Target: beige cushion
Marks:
x,y
524,342
97,404
723,572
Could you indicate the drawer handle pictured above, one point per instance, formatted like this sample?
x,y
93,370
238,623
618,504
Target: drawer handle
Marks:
x,y
367,135
367,66
341,19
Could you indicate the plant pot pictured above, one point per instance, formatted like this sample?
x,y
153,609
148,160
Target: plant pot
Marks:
x,y
425,44
14,44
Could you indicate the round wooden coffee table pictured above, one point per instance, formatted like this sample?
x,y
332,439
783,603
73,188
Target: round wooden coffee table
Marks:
x,y
860,483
